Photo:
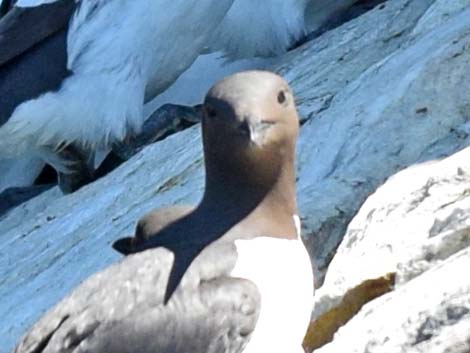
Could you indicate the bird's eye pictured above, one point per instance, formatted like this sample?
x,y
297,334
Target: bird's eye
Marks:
x,y
211,113
281,97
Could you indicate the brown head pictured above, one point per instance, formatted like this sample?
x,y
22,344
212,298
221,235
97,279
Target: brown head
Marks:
x,y
250,127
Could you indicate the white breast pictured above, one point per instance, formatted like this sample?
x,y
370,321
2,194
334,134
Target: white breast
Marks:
x,y
282,271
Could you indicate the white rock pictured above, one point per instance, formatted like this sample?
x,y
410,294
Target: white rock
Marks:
x,y
416,220
429,314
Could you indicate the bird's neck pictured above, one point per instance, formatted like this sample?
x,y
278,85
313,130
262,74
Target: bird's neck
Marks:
x,y
254,208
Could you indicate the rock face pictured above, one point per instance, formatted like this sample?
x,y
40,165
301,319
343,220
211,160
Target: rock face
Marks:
x,y
384,91
380,93
412,236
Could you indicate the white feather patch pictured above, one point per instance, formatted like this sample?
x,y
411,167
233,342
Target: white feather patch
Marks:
x,y
282,271
298,224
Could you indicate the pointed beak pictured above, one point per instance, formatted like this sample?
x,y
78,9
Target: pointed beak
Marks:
x,y
255,130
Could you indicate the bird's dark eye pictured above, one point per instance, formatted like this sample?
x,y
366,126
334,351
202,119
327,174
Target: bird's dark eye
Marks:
x,y
211,113
281,97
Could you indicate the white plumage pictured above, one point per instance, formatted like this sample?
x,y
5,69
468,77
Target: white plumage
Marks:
x,y
281,270
260,28
120,52
19,172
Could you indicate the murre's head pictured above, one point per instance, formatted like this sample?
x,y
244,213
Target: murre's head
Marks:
x,y
250,127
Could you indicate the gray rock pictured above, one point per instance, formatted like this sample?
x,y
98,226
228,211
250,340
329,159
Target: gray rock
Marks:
x,y
53,242
13,197
318,12
379,93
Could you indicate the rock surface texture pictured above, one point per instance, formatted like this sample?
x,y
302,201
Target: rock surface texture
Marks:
x,y
411,238
384,91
